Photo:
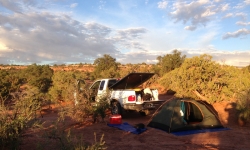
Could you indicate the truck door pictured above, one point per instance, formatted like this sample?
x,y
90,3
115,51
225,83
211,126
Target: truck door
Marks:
x,y
101,89
94,90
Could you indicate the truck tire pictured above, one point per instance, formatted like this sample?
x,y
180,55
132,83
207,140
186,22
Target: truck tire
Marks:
x,y
116,108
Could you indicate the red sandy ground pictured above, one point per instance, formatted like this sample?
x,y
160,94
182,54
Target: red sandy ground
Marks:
x,y
237,138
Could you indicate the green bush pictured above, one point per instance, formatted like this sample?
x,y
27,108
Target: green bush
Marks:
x,y
202,78
243,105
38,76
101,107
10,81
85,108
64,85
81,109
14,119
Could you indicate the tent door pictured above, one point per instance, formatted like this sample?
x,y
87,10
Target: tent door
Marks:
x,y
192,113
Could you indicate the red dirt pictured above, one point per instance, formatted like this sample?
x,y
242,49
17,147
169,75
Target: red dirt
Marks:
x,y
236,138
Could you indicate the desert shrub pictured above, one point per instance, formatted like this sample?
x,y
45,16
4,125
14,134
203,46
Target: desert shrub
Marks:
x,y
10,81
243,105
56,137
202,78
15,118
247,68
64,85
96,145
128,68
85,108
101,106
4,85
38,76
80,112
81,109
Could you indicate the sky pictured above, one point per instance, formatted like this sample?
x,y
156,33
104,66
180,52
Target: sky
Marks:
x,y
131,31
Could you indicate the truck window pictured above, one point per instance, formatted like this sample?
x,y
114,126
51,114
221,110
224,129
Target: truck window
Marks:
x,y
102,85
94,90
111,82
95,86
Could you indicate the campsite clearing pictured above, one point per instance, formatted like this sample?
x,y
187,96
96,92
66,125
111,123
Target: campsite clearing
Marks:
x,y
236,138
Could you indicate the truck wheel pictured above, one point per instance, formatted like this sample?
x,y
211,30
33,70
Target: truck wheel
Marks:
x,y
144,112
116,108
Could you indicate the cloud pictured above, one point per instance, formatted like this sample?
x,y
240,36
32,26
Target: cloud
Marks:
x,y
242,15
127,38
197,13
228,15
243,23
162,4
3,47
239,58
44,37
247,2
15,7
18,6
73,5
102,4
238,33
136,57
191,28
130,33
225,7
38,37
234,58
95,29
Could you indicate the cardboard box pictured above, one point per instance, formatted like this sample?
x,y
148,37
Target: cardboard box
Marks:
x,y
115,119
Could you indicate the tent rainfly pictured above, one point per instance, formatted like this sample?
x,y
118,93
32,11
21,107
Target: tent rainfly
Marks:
x,y
185,114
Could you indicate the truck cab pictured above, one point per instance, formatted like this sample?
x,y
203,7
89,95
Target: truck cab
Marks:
x,y
99,87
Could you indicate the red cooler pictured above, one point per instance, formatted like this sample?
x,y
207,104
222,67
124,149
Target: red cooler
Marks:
x,y
115,119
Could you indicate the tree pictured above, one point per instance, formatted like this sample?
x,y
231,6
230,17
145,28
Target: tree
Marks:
x,y
247,68
169,62
10,81
17,118
39,76
202,78
64,84
106,66
4,85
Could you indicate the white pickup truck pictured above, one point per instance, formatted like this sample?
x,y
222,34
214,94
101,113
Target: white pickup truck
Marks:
x,y
125,93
